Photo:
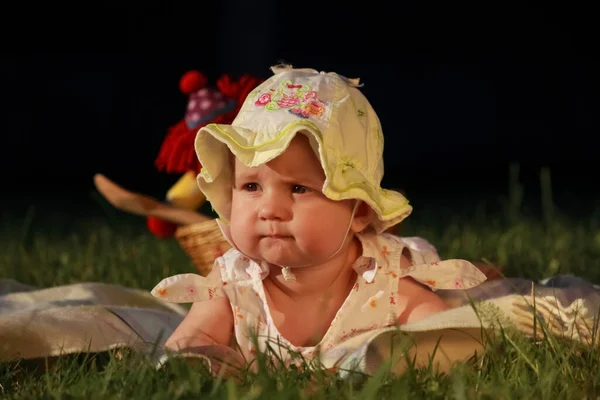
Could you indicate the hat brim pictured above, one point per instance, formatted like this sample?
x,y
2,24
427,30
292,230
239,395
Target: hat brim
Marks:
x,y
214,142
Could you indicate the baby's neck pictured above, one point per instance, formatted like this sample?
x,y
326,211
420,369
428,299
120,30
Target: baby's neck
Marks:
x,y
332,276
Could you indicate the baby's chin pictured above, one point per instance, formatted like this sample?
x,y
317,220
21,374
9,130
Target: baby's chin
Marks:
x,y
260,251
283,255
282,252
280,259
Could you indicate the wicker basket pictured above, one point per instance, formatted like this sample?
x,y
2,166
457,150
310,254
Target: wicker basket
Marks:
x,y
203,243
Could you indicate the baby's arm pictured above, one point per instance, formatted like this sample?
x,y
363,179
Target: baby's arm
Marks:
x,y
415,301
207,323
204,334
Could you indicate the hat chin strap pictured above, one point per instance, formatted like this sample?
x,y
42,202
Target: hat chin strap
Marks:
x,y
287,272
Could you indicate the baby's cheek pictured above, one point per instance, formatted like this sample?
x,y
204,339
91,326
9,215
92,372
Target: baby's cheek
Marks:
x,y
317,238
243,238
240,214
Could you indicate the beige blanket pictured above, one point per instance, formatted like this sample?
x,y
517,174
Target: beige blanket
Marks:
x,y
88,317
95,317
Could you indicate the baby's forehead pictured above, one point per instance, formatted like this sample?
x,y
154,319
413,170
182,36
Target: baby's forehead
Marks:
x,y
298,160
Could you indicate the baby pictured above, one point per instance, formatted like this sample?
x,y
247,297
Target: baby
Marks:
x,y
295,180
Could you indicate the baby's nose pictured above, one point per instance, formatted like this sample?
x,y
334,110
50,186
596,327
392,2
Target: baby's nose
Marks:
x,y
274,208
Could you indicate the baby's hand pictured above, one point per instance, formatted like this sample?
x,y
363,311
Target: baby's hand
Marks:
x,y
220,360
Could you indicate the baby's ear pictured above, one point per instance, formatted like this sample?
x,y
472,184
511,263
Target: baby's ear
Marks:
x,y
362,217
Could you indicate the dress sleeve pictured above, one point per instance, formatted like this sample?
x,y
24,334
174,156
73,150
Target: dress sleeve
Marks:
x,y
447,274
190,288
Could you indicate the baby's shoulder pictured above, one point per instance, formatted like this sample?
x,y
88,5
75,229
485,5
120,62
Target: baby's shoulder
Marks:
x,y
418,243
416,301
418,249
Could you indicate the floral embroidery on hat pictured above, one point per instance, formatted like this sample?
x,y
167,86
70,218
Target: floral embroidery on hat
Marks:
x,y
299,100
346,164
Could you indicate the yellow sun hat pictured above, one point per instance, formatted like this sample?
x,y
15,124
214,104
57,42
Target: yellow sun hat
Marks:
x,y
340,123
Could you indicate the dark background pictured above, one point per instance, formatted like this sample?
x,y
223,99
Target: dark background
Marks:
x,y
462,90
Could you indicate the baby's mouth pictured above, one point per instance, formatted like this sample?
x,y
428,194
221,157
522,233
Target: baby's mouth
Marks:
x,y
277,236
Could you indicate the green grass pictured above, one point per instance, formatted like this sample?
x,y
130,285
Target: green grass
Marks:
x,y
120,250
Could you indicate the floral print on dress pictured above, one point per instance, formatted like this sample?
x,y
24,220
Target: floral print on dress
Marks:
x,y
191,289
392,274
237,315
188,288
447,274
298,100
385,252
212,293
372,302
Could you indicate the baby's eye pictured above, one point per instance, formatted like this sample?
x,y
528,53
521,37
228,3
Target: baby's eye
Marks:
x,y
251,187
299,189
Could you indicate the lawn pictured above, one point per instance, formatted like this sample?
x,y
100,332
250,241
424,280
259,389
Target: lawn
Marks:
x,y
44,251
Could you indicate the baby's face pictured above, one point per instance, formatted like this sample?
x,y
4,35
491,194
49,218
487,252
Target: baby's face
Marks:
x,y
279,214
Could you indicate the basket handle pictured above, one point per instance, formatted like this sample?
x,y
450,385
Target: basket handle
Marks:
x,y
143,205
